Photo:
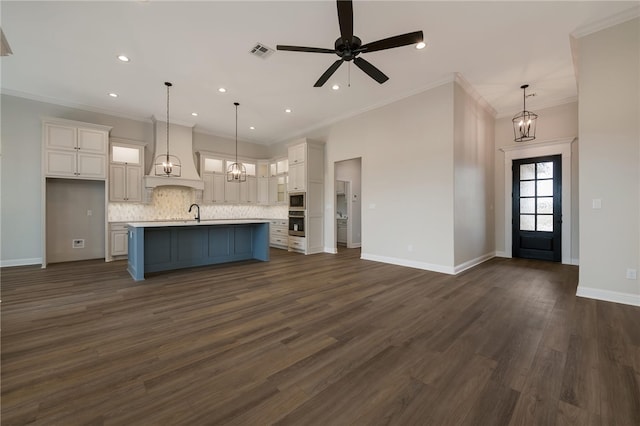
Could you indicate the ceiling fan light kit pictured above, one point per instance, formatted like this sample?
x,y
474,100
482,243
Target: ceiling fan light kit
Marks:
x,y
524,123
166,164
348,46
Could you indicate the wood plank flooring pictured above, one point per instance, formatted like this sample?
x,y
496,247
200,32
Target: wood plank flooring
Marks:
x,y
315,340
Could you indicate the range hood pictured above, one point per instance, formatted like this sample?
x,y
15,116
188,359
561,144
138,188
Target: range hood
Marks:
x,y
180,145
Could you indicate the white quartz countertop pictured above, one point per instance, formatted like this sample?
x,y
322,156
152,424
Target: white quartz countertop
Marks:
x,y
193,222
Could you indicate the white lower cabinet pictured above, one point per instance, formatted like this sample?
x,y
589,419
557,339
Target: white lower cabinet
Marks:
x,y
119,241
298,244
278,233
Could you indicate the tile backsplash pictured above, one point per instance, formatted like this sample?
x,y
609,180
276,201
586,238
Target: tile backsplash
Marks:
x,y
172,202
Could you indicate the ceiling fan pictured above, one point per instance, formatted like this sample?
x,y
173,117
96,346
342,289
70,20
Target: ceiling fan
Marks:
x,y
348,46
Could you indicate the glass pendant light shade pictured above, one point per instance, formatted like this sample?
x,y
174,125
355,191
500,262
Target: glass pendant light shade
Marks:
x,y
167,164
524,123
236,172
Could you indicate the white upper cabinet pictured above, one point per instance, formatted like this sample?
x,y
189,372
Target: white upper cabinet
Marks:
x,y
126,170
74,149
297,153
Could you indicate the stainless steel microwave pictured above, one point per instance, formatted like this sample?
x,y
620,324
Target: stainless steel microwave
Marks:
x,y
297,200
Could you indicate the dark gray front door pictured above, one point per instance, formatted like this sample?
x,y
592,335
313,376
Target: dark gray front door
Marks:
x,y
537,208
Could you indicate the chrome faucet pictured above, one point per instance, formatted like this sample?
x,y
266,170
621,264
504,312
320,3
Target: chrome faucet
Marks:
x,y
197,215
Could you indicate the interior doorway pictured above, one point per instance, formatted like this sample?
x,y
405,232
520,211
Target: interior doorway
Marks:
x,y
348,210
537,208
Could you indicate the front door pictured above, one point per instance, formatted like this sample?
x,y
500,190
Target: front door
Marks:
x,y
537,208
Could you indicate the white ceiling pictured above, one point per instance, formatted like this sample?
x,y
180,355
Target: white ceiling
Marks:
x,y
65,52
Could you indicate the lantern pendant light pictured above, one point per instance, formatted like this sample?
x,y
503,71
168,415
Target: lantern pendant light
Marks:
x,y
166,164
524,123
236,172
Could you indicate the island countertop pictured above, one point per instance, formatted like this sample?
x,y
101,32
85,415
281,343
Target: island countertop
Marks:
x,y
193,222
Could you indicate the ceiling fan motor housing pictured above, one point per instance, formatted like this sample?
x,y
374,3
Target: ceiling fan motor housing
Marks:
x,y
348,51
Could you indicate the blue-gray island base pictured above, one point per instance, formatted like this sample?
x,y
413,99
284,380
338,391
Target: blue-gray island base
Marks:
x,y
163,246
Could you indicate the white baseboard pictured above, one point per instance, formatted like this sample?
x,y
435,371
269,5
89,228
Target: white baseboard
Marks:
x,y
355,245
409,263
609,296
473,262
20,262
502,254
331,250
575,261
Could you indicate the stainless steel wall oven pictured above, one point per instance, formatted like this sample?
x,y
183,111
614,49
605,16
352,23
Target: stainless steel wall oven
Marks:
x,y
296,223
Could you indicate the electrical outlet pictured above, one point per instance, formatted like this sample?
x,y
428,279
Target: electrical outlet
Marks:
x,y
89,212
631,274
77,244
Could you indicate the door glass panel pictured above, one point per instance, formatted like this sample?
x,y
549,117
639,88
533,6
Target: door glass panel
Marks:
x,y
527,205
545,188
527,222
527,189
527,171
545,223
544,170
545,205
121,154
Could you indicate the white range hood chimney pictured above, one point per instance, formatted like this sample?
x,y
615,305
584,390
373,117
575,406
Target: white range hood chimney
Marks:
x,y
180,145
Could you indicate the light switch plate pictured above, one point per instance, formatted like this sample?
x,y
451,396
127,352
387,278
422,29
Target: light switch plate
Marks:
x,y
596,203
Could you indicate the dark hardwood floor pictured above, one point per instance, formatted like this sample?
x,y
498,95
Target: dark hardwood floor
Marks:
x,y
322,339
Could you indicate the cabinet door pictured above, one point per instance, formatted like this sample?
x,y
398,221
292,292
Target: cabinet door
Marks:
x,y
207,194
60,137
263,191
253,190
117,182
119,243
297,178
93,141
218,188
134,183
297,154
273,190
91,165
231,192
60,163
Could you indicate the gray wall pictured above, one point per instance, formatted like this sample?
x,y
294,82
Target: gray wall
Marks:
x,y
75,210
609,129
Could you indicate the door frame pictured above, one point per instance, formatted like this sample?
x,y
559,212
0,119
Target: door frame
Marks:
x,y
539,149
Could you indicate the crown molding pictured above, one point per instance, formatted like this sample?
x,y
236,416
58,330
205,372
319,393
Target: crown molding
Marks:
x,y
610,21
303,133
539,106
69,104
471,91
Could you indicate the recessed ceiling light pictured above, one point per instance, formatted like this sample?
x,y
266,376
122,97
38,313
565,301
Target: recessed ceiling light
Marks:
x,y
222,90
421,45
287,110
335,87
113,95
123,58
252,128
195,114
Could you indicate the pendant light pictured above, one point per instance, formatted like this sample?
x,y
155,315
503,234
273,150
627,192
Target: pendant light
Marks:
x,y
236,172
166,164
524,123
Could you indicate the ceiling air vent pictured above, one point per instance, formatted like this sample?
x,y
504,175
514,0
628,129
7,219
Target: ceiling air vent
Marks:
x,y
261,51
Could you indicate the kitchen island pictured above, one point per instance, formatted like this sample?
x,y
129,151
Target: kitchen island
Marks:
x,y
163,246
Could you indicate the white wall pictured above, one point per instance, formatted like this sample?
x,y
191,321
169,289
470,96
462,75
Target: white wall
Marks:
x,y
473,181
351,170
609,117
558,122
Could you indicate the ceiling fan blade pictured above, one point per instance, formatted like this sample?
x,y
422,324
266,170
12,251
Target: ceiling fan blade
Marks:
x,y
371,71
328,73
304,49
391,42
345,18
